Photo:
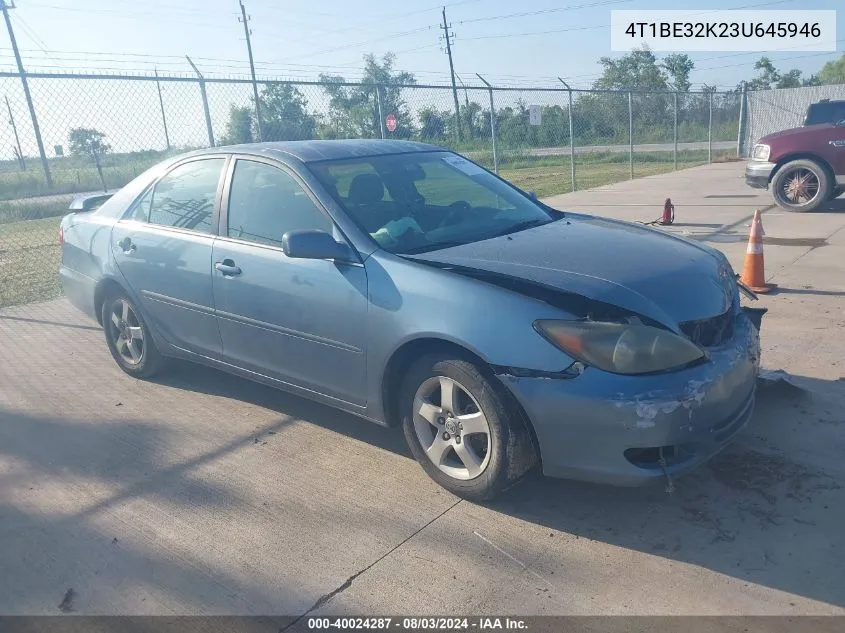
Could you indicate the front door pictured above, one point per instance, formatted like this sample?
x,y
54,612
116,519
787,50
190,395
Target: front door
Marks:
x,y
163,249
296,320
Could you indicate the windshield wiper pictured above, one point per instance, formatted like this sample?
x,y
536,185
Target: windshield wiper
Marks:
x,y
521,226
435,246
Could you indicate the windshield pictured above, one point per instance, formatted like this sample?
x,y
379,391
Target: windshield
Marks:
x,y
412,203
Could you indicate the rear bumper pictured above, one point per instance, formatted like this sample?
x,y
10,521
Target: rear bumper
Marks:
x,y
611,429
758,174
79,290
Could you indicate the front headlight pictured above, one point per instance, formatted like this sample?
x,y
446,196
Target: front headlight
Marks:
x,y
761,152
620,348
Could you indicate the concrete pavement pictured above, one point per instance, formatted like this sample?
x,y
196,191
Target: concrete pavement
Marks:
x,y
201,493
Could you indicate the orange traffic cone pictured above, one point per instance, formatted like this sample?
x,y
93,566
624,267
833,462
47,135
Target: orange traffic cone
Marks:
x,y
753,273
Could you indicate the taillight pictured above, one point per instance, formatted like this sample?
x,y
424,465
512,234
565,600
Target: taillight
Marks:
x,y
61,236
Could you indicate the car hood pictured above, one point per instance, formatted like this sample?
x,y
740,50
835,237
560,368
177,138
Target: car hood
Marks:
x,y
642,270
795,131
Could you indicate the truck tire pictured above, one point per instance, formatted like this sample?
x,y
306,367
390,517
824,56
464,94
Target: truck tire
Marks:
x,y
802,185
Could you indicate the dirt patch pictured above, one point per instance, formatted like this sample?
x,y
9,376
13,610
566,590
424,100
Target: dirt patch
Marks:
x,y
769,475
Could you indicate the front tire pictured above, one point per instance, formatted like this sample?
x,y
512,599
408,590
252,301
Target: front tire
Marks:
x,y
128,337
802,186
467,436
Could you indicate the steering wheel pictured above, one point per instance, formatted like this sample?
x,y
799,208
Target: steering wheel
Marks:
x,y
457,208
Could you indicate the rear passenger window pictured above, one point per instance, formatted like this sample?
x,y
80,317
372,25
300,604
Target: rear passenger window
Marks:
x,y
266,202
184,198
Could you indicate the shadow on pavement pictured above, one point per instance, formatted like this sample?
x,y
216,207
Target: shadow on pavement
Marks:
x,y
75,326
64,538
769,509
201,379
781,290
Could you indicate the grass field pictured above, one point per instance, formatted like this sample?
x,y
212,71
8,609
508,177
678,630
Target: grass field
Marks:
x,y
29,261
30,255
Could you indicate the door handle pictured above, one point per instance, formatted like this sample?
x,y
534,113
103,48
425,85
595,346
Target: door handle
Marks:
x,y
126,245
228,268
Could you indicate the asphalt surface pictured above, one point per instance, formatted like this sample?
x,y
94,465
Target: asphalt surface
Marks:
x,y
200,493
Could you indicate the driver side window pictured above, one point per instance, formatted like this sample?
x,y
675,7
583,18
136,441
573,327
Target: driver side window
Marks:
x,y
266,202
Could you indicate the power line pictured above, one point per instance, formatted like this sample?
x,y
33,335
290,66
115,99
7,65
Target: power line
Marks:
x,y
542,11
598,26
132,16
363,43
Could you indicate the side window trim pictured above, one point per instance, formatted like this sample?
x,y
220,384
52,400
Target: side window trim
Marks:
x,y
223,222
222,184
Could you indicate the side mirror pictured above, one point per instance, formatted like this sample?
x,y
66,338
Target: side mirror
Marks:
x,y
312,244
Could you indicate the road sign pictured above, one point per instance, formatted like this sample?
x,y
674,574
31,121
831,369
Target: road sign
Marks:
x,y
534,115
391,122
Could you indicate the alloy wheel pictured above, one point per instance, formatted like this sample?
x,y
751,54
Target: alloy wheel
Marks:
x,y
451,428
126,333
800,186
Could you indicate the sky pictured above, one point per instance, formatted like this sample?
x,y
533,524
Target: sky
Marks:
x,y
517,44
299,39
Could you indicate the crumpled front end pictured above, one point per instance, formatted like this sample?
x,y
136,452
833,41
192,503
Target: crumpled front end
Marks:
x,y
629,430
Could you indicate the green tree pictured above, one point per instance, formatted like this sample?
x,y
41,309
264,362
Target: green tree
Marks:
x,y
432,124
284,117
677,68
90,143
833,72
638,70
353,110
283,114
239,126
768,76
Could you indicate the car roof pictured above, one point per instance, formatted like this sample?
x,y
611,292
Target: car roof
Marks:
x,y
312,151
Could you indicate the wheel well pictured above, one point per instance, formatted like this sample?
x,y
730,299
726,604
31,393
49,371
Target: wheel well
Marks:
x,y
101,292
401,360
812,157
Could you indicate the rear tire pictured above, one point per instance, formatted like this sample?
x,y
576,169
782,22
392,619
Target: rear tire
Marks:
x,y
128,337
802,185
466,435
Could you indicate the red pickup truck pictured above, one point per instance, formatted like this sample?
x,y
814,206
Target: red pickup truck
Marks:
x,y
804,166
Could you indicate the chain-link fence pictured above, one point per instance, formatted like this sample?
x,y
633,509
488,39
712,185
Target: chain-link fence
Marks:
x,y
85,133
774,110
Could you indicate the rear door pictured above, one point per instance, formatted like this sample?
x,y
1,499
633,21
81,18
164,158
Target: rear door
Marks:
x,y
299,321
163,248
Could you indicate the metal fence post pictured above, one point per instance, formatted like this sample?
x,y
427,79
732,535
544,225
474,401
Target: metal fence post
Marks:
x,y
710,128
380,113
35,127
571,133
492,122
204,96
163,116
631,134
675,135
742,97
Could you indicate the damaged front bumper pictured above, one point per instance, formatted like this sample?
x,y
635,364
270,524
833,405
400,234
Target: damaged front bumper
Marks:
x,y
630,430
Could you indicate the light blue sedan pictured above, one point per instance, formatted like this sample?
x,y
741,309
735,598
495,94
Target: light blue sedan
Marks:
x,y
407,285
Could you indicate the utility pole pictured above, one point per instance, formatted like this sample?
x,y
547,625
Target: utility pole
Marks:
x,y
17,140
244,19
448,36
5,8
163,116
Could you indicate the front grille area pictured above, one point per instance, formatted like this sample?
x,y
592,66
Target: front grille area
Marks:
x,y
710,332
